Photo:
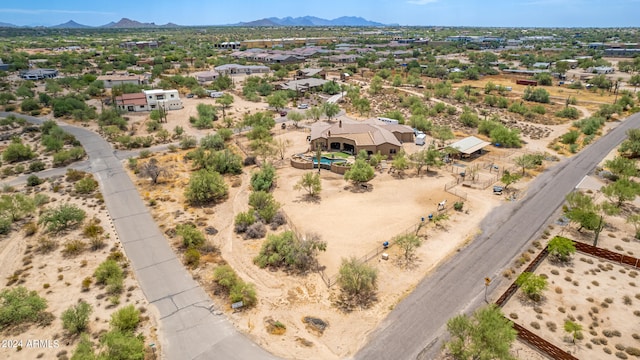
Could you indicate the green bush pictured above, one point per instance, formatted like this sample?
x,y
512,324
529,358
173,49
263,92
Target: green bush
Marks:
x,y
125,320
570,138
109,271
36,166
238,290
263,179
76,318
17,151
537,95
286,250
264,204
243,221
34,180
205,186
19,306
192,257
119,345
568,113
86,185
589,126
191,236
66,216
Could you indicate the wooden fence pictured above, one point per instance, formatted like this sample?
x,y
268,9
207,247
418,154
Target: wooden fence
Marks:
x,y
607,254
536,341
542,345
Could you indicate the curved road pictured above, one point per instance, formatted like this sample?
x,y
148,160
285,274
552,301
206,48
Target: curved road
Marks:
x,y
189,327
413,330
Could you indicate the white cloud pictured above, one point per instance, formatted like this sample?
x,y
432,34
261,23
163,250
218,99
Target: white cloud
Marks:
x,y
52,11
421,2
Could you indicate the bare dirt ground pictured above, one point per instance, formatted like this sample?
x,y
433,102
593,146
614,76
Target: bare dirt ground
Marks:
x,y
58,277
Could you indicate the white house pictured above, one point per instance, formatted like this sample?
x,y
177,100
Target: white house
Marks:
x,y
167,99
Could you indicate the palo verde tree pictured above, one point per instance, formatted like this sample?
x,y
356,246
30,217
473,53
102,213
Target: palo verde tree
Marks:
x,y
358,282
532,285
485,335
205,186
359,172
508,178
573,328
310,182
561,248
408,243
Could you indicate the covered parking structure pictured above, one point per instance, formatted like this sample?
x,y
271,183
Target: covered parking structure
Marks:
x,y
469,146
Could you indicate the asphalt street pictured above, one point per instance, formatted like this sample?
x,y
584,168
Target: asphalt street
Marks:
x,y
189,327
416,327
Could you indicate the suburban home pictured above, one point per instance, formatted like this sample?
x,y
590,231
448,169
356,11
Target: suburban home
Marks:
x,y
284,59
39,74
167,99
232,69
303,84
602,70
310,73
343,59
205,76
121,79
355,137
132,102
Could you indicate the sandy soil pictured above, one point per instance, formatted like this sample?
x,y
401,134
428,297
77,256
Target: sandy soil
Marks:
x,y
58,278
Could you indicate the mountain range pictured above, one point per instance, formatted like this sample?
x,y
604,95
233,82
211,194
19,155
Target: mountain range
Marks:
x,y
126,23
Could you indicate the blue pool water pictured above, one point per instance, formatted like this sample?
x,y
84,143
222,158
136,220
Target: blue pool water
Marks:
x,y
327,161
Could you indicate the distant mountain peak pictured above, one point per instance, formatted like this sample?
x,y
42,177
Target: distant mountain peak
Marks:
x,y
70,25
311,21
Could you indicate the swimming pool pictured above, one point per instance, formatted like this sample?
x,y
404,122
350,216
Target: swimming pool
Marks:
x,y
328,161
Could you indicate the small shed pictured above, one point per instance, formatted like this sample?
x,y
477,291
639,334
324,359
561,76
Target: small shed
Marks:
x,y
420,139
469,145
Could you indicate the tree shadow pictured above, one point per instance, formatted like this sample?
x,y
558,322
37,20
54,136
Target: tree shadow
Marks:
x,y
308,198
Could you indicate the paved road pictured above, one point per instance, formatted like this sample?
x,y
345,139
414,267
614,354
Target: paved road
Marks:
x,y
415,328
189,327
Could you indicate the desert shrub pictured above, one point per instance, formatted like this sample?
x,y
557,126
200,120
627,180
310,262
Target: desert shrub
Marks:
x,y
263,179
264,205
191,236
570,137
30,228
19,306
621,355
46,245
74,248
86,185
64,217
535,325
205,186
192,257
121,345
125,320
34,180
76,318
589,126
632,350
109,273
286,250
568,113
237,289
278,220
256,231
17,151
243,221
86,283
36,166
73,175
358,280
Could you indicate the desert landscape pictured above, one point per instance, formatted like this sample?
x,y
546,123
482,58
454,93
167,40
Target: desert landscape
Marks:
x,y
221,176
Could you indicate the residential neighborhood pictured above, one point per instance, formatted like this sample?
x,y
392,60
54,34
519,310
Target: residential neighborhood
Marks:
x,y
317,186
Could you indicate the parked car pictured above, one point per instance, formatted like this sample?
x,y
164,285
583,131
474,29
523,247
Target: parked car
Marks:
x,y
216,94
303,106
283,113
189,96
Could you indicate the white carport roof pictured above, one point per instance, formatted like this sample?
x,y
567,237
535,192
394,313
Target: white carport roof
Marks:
x,y
469,145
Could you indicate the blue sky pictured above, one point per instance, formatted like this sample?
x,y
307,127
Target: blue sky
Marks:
x,y
523,13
